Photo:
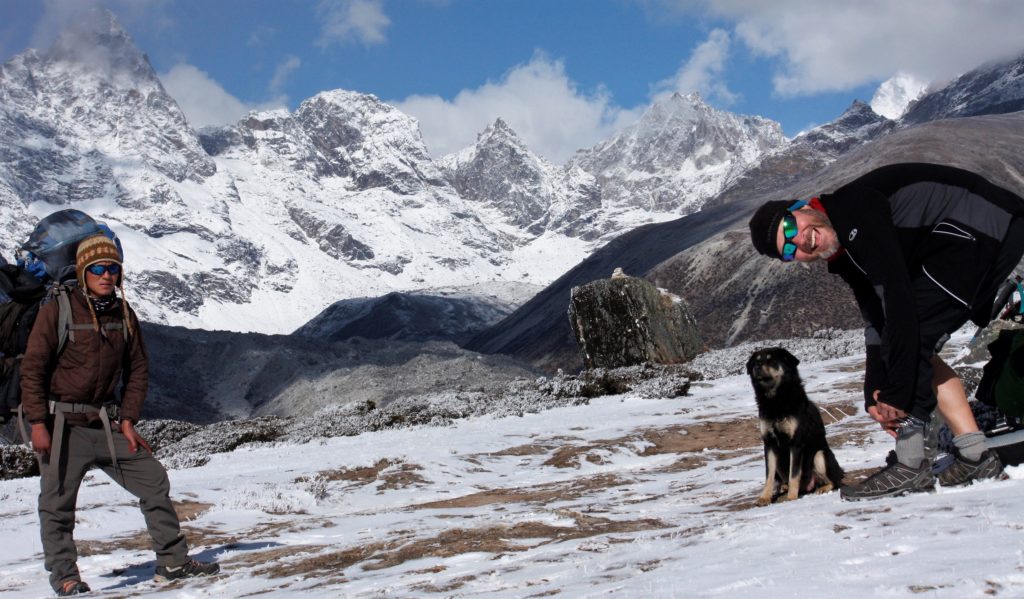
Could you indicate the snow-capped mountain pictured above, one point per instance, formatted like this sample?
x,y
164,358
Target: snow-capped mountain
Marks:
x,y
89,119
500,173
257,226
680,153
858,124
990,89
260,225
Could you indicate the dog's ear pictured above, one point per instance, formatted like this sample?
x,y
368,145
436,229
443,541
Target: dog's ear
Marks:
x,y
789,358
750,362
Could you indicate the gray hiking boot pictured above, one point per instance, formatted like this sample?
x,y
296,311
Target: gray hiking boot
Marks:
x,y
892,480
963,471
187,570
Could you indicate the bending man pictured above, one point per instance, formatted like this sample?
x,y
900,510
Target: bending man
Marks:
x,y
924,248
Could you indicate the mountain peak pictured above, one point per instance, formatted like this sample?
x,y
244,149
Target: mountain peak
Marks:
x,y
499,124
993,88
97,42
692,98
499,132
858,115
859,107
858,124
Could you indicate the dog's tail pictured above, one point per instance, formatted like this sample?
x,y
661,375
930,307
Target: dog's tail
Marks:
x,y
832,469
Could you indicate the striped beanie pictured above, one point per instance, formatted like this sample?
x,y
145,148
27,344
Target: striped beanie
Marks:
x,y
98,248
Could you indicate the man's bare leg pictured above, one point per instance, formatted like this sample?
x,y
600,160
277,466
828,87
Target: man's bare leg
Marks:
x,y
952,399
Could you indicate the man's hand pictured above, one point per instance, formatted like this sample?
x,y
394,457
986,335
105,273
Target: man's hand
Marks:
x,y
40,438
134,438
886,415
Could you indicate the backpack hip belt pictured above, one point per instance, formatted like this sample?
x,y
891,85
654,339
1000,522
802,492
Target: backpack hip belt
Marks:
x,y
59,408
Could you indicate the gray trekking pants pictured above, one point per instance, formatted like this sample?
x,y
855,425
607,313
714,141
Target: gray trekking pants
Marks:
x,y
139,473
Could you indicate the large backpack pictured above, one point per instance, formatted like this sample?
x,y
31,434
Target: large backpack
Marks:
x,y
48,255
21,296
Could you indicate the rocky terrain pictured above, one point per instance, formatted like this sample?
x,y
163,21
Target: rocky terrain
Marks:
x,y
624,495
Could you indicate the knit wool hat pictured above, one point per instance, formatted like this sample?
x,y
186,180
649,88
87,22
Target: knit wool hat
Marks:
x,y
764,227
98,248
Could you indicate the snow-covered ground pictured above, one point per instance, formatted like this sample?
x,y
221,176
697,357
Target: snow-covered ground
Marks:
x,y
624,497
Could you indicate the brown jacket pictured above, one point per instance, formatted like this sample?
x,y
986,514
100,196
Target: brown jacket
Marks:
x,y
88,369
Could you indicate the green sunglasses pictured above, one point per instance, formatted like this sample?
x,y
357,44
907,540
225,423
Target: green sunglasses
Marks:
x,y
789,230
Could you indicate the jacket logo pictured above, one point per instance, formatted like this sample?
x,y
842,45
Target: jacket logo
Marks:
x,y
853,234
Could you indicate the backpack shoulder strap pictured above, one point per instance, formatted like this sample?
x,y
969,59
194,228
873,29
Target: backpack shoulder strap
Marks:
x,y
65,324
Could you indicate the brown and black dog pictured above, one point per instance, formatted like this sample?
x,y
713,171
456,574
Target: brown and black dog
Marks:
x,y
796,452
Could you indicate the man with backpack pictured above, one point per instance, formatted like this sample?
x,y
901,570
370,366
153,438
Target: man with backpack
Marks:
x,y
924,249
67,392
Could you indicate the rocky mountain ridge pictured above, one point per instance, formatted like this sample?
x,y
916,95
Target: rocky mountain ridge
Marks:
x,y
680,153
259,225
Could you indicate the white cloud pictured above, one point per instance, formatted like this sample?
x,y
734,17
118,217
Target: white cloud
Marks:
x,y
350,21
204,101
892,98
834,45
702,72
538,100
283,71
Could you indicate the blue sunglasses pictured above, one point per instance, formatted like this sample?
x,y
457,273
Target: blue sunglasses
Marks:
x,y
789,230
99,269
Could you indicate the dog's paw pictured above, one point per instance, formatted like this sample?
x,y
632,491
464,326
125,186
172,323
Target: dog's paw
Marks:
x,y
825,488
763,501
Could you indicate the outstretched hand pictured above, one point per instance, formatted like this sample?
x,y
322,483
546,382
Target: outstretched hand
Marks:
x,y
133,437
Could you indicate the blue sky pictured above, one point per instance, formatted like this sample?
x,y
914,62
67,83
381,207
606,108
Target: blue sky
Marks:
x,y
564,73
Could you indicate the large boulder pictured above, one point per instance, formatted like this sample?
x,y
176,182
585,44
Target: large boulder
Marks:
x,y
624,321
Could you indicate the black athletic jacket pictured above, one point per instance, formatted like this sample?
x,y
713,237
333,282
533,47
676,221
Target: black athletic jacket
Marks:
x,y
905,221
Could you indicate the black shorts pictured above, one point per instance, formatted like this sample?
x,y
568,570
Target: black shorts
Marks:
x,y
939,315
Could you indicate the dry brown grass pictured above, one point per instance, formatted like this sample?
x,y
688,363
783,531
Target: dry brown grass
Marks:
x,y
393,474
546,493
284,562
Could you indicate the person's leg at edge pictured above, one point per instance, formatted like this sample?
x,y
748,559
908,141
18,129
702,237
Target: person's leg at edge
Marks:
x,y
57,510
956,411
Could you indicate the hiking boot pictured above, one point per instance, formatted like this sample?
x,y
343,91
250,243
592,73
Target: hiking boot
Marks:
x,y
72,587
187,570
892,480
963,471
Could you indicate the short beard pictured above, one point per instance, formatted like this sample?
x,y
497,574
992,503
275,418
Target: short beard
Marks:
x,y
830,251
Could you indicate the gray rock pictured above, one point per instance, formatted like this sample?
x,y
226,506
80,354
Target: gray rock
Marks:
x,y
17,461
977,353
626,321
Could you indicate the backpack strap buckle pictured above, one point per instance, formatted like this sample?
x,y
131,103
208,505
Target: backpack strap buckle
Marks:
x,y
59,408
